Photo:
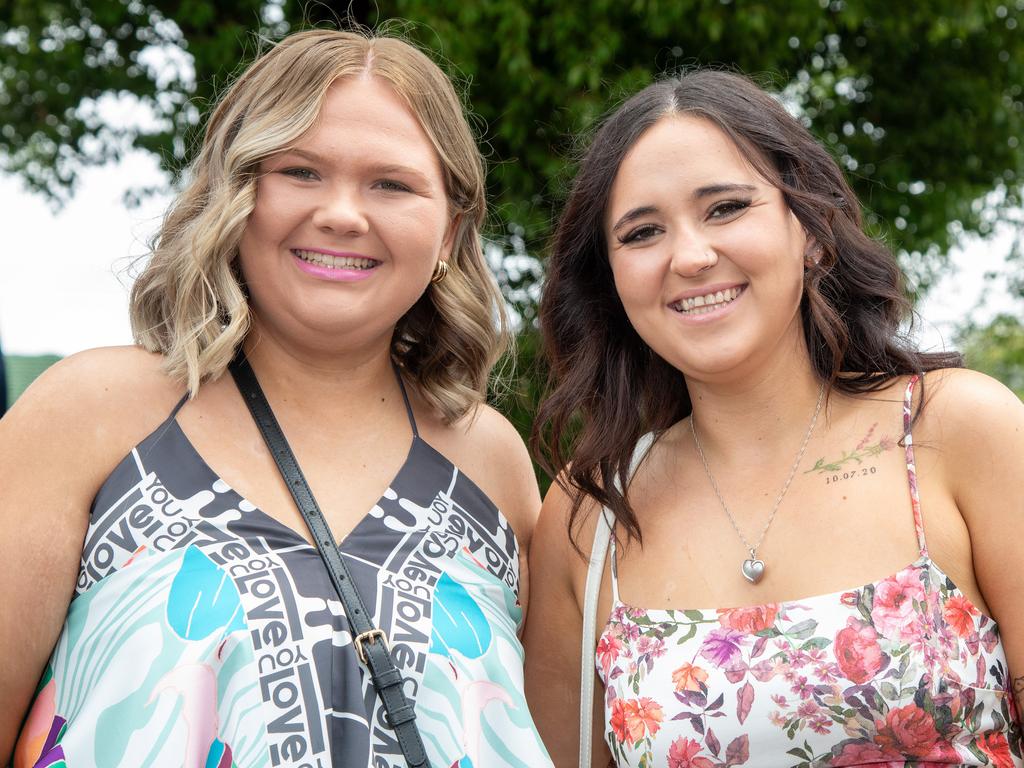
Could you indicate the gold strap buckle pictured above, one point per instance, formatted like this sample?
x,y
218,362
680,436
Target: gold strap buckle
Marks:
x,y
368,637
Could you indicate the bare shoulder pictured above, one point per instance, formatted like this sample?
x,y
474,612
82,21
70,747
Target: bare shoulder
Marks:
x,y
487,448
94,403
977,424
970,407
565,540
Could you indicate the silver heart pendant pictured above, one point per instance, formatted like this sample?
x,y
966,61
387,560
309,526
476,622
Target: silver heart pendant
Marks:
x,y
753,570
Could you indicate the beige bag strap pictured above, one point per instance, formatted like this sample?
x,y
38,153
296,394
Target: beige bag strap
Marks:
x,y
595,573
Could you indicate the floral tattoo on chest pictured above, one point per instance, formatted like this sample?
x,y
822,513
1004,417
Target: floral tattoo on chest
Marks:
x,y
856,462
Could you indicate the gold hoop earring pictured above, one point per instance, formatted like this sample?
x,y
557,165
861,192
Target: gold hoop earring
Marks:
x,y
440,271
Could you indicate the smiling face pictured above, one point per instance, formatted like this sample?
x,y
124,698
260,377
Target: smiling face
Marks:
x,y
706,255
349,222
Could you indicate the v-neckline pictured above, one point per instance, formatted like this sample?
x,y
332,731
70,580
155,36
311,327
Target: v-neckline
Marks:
x,y
279,524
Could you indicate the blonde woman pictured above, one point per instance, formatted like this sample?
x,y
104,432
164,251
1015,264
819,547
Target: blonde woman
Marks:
x,y
164,600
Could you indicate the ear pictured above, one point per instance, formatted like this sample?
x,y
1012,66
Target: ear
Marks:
x,y
454,229
812,252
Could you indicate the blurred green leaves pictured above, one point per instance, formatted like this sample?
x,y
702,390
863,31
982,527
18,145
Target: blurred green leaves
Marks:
x,y
923,103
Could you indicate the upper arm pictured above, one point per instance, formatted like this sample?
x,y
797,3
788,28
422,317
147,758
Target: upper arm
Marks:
x,y
983,440
56,448
554,633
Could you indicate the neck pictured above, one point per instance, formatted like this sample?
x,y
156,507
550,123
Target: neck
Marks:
x,y
334,384
758,415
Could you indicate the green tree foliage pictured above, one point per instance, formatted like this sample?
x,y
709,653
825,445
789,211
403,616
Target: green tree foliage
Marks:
x,y
997,349
922,102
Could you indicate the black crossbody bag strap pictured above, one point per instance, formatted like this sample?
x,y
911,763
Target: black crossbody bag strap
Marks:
x,y
370,642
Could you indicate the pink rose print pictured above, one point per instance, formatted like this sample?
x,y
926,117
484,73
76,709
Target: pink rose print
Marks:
x,y
748,620
857,651
683,754
893,612
722,646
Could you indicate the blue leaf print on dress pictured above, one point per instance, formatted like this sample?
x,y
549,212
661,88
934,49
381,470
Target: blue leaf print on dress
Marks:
x,y
203,599
459,624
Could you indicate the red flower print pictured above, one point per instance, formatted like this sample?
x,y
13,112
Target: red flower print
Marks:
x,y
910,731
857,651
683,754
688,677
849,599
867,753
618,720
643,716
994,745
608,649
959,614
748,620
893,610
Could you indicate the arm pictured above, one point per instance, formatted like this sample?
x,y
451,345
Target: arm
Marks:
x,y
554,631
57,445
985,469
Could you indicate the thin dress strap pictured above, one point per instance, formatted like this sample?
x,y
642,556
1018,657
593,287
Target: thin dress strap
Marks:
x,y
174,411
405,397
908,442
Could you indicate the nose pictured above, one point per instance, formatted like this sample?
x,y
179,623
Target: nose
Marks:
x,y
341,211
692,257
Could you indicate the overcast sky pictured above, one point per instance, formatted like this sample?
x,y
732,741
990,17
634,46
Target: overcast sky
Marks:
x,y
63,281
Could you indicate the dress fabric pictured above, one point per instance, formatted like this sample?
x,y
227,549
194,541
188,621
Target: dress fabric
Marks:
x,y
204,633
905,671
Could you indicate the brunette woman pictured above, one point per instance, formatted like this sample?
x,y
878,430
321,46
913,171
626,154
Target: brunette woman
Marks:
x,y
739,402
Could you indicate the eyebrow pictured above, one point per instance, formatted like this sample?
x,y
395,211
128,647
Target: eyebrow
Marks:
x,y
701,192
387,168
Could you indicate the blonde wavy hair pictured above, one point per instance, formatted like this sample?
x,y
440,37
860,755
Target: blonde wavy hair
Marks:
x,y
189,303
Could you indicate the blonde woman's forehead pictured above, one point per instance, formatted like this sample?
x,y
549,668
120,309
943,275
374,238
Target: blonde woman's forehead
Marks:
x,y
366,116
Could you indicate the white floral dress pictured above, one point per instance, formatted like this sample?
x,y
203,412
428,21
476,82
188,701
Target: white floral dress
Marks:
x,y
903,671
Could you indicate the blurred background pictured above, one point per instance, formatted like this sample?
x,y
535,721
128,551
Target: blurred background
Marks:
x,y
102,103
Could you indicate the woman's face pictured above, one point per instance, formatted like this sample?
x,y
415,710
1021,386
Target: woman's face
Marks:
x,y
707,257
349,222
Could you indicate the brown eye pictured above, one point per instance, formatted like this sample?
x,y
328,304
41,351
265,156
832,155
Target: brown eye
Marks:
x,y
639,234
727,208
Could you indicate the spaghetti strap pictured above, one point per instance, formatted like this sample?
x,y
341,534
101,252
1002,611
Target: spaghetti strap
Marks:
x,y
405,398
174,411
908,442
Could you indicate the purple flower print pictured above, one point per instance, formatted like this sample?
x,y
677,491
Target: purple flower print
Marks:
x,y
722,646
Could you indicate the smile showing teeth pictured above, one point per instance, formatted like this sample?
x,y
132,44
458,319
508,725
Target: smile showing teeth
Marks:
x,y
701,305
335,262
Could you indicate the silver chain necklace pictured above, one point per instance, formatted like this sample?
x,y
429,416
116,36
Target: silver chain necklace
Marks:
x,y
753,568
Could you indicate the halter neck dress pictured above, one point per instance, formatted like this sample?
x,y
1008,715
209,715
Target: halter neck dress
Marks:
x,y
905,671
205,633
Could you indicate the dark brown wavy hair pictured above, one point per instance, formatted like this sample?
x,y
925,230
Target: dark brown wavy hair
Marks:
x,y
606,387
